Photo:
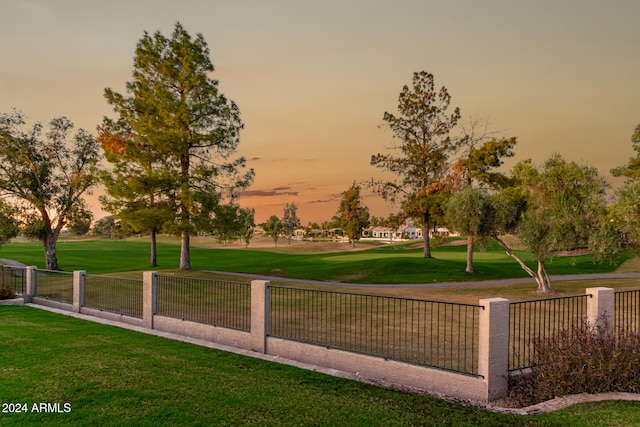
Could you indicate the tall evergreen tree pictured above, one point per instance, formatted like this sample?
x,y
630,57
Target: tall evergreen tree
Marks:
x,y
176,109
423,155
139,185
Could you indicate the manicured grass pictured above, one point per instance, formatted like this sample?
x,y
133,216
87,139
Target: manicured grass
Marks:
x,y
384,264
112,376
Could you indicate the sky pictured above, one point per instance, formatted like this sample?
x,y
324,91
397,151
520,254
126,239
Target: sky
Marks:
x,y
312,79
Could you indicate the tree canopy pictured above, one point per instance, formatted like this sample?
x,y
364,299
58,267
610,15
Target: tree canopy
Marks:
x,y
352,214
555,207
46,175
174,110
290,220
273,227
421,158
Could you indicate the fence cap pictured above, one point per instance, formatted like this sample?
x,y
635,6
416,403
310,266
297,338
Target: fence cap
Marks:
x,y
599,289
493,300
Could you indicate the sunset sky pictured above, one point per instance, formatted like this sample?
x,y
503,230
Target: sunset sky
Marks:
x,y
313,79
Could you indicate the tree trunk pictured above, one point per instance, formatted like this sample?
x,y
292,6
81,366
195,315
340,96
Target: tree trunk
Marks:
x,y
469,254
541,277
153,261
49,243
544,284
425,234
185,253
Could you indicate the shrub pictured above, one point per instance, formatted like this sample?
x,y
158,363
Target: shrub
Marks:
x,y
582,359
6,292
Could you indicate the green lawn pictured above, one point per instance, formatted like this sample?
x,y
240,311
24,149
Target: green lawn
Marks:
x,y
111,376
383,264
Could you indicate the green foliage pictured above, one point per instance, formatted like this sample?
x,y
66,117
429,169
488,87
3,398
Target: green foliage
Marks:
x,y
79,220
290,220
9,226
421,159
482,162
583,358
556,207
247,224
174,112
353,216
632,169
103,226
273,228
46,175
231,222
466,212
566,201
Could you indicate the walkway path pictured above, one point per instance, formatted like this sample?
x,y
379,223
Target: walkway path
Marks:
x,y
466,284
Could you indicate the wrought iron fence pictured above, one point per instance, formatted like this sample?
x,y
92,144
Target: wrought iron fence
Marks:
x,y
430,333
627,311
55,285
540,319
213,302
14,277
114,294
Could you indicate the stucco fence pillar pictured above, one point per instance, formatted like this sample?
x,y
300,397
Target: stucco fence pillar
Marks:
x,y
601,307
149,297
31,278
260,315
493,346
79,289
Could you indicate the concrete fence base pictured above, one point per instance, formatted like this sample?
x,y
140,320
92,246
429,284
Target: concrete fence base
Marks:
x,y
493,345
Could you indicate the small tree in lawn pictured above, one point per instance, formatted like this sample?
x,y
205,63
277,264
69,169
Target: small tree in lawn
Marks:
x,y
290,220
224,224
231,222
247,225
561,204
45,176
273,228
465,214
353,216
139,184
480,157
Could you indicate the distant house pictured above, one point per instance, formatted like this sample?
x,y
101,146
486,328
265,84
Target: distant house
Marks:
x,y
404,232
379,232
410,232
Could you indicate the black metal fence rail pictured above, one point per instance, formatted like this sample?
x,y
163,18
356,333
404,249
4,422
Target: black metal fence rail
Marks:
x,y
14,277
55,285
627,311
114,294
430,333
212,302
540,319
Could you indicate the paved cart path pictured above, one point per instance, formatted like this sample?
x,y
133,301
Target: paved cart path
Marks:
x,y
466,284
11,263
460,284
